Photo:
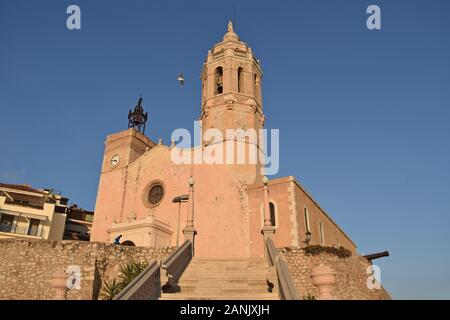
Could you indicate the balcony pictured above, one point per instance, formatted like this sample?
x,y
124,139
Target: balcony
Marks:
x,y
24,204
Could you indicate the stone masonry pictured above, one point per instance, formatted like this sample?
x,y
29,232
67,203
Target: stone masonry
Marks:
x,y
26,266
351,276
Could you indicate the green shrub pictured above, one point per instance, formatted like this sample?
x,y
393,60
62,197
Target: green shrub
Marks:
x,y
341,252
110,289
127,273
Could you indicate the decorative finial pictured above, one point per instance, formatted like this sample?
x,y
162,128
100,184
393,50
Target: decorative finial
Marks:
x,y
191,181
230,35
230,26
265,180
160,141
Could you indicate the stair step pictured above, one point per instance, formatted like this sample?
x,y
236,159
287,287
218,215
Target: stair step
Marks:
x,y
179,296
226,275
224,279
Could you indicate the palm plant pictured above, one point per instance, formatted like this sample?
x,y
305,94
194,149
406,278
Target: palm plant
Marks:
x,y
110,289
127,273
130,271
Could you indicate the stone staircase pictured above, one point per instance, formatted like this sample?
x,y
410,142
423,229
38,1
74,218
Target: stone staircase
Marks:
x,y
224,279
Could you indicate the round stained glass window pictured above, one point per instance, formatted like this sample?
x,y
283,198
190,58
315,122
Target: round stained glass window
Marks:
x,y
155,194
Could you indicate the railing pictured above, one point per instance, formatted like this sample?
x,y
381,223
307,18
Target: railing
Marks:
x,y
286,287
146,286
24,204
175,264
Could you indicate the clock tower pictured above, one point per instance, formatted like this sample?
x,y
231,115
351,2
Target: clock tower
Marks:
x,y
124,147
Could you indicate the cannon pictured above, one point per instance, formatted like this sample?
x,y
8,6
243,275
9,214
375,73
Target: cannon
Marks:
x,y
378,255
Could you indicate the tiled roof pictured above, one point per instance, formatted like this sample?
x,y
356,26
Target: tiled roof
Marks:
x,y
20,187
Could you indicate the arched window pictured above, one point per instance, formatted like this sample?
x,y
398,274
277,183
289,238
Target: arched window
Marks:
x,y
306,215
272,214
255,78
240,80
322,236
218,80
203,91
128,243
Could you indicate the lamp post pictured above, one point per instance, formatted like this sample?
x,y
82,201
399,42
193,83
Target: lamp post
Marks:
x,y
190,221
268,230
308,238
189,231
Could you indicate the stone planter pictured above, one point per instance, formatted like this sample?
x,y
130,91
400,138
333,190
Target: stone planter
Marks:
x,y
324,278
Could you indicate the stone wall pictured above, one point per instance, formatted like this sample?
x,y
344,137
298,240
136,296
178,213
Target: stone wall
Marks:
x,y
26,266
351,276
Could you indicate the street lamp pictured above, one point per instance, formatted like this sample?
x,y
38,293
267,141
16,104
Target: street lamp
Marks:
x,y
308,238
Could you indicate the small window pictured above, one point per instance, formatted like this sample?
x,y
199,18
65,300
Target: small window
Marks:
x,y
6,222
272,214
218,79
240,80
307,225
322,237
34,227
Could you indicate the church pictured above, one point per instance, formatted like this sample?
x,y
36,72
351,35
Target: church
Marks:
x,y
146,199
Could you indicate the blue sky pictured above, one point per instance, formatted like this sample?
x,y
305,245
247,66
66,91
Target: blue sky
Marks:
x,y
364,116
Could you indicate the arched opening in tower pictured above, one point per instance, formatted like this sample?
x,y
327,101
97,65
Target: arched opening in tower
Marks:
x,y
218,80
240,80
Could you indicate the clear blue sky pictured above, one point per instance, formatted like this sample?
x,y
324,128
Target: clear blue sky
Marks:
x,y
364,116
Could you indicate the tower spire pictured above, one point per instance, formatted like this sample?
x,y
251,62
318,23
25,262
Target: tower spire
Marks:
x,y
230,35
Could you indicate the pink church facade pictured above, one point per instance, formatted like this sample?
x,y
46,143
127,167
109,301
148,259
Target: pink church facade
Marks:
x,y
141,186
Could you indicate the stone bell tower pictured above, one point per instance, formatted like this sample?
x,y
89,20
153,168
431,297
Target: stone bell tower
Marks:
x,y
231,86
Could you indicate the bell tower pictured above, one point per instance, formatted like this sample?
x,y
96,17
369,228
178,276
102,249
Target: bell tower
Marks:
x,y
231,86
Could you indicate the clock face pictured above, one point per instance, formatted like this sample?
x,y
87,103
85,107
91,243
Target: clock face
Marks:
x,y
115,160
